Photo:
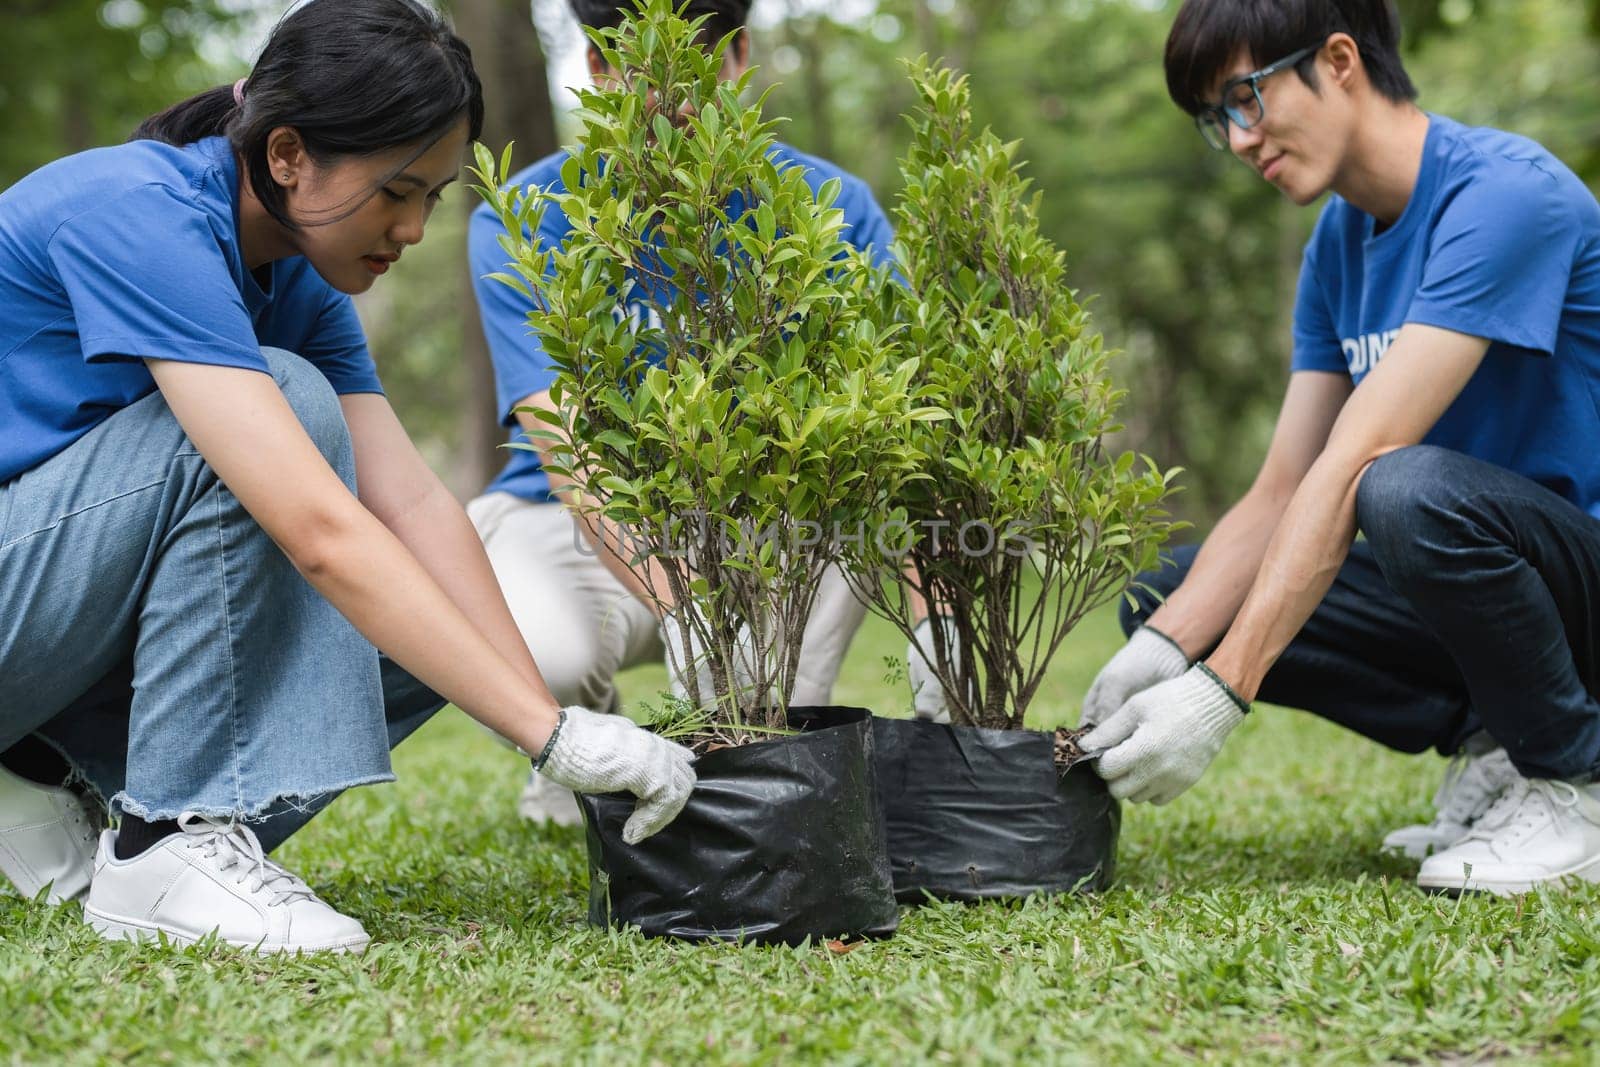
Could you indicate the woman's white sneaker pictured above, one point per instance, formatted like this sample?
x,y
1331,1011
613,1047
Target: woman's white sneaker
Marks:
x,y
213,877
1471,784
47,838
1540,832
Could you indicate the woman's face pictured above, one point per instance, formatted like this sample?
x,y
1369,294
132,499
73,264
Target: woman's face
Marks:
x,y
350,252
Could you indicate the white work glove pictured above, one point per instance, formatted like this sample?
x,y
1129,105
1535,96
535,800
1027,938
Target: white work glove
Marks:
x,y
1149,658
673,632
927,695
594,753
1161,741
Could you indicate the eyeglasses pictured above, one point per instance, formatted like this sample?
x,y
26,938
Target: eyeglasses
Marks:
x,y
1241,101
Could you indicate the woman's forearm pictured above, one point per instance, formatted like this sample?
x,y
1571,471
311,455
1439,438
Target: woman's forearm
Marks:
x,y
382,586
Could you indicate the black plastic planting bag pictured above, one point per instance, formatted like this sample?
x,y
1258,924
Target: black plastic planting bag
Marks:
x,y
781,840
972,814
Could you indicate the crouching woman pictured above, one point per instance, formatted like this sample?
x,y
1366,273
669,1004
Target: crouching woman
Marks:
x,y
211,521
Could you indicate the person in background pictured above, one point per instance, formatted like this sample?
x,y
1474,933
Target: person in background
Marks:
x,y
584,612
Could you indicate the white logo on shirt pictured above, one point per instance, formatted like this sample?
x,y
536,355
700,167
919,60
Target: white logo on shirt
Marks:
x,y
1362,353
638,316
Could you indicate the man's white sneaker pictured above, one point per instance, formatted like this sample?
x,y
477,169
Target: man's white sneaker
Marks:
x,y
213,877
1471,784
47,837
545,801
1540,832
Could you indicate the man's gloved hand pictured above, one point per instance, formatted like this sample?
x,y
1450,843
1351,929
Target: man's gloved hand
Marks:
x,y
594,753
1164,738
927,695
673,632
1149,658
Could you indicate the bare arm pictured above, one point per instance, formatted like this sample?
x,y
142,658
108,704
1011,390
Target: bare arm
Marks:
x,y
396,484
241,423
602,537
1396,405
1199,611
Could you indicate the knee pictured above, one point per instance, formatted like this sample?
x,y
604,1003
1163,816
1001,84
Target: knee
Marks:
x,y
575,674
1408,504
1151,588
317,407
1400,488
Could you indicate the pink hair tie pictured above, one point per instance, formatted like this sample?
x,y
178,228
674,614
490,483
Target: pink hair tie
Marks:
x,y
238,92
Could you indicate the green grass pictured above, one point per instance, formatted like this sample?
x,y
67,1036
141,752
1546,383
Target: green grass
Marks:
x,y
1252,918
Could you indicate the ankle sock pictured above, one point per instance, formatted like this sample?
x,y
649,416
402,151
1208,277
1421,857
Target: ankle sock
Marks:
x,y
135,835
36,761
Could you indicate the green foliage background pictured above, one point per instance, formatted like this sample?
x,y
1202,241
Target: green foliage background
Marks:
x,y
1190,259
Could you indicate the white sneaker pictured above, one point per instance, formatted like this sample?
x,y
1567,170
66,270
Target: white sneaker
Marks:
x,y
47,836
545,801
1540,832
1471,784
212,877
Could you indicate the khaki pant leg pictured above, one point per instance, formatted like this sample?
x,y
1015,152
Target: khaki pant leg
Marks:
x,y
833,624
579,622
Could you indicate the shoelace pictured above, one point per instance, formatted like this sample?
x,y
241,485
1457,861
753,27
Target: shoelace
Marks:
x,y
1470,786
1517,808
233,845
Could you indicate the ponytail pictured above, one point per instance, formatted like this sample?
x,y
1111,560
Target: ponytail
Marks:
x,y
191,120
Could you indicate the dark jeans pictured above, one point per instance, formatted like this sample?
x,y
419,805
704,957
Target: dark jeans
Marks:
x,y
1473,603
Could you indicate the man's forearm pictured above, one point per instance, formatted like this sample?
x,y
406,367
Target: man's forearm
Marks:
x,y
645,579
1199,612
1304,556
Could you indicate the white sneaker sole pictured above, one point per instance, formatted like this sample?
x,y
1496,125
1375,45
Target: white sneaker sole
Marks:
x,y
1588,871
114,928
1408,852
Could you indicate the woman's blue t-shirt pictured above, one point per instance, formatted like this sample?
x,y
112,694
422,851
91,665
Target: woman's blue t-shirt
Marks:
x,y
1499,240
117,254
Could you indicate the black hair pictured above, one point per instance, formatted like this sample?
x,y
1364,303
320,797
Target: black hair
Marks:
x,y
722,16
1207,34
352,77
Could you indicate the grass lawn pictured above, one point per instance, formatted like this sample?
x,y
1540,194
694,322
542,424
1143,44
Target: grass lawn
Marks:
x,y
1251,918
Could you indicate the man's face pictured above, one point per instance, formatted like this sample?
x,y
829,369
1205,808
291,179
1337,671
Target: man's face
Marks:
x,y
1299,143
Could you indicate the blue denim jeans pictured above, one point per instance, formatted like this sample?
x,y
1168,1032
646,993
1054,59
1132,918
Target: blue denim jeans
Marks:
x,y
1472,604
153,634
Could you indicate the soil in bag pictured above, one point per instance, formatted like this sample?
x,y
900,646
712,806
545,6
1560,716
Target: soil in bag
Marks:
x,y
972,814
781,840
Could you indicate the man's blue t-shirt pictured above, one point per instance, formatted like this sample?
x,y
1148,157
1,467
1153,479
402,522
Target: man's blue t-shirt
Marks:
x,y
117,254
521,367
1500,241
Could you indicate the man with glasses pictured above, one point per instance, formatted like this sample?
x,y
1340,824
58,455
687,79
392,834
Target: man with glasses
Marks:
x,y
1443,401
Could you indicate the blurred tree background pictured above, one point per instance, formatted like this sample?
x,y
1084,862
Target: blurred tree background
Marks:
x,y
1191,259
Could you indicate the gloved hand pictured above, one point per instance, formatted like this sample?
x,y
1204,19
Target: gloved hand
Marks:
x,y
674,630
927,695
1164,738
1149,658
594,753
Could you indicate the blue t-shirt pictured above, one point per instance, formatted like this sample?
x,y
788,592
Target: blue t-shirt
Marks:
x,y
521,367
1500,241
117,254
